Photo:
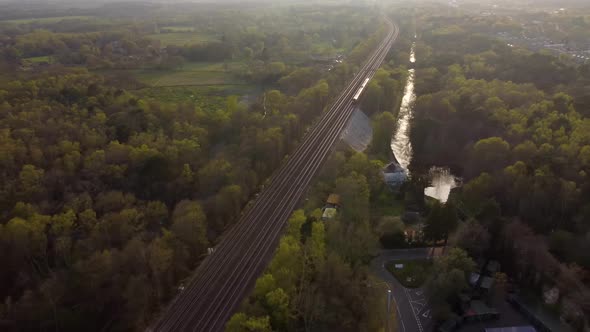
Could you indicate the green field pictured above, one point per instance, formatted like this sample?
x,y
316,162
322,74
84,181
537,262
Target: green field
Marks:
x,y
46,19
181,38
39,59
191,74
206,97
159,78
178,29
413,274
191,83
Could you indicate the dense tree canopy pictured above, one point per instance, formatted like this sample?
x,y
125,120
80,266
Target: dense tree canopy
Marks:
x,y
110,198
515,124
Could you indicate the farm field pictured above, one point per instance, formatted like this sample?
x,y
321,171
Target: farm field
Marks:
x,y
191,83
159,78
171,29
191,74
181,38
45,20
39,59
205,97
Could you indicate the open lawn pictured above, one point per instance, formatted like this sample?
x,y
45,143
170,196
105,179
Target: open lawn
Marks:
x,y
39,59
413,274
160,78
46,19
191,74
177,29
181,38
190,83
206,97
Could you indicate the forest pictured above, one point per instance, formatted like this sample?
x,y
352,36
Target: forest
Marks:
x,y
108,191
134,135
514,124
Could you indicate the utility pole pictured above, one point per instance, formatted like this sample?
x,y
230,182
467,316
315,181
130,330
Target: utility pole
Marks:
x,y
388,317
388,305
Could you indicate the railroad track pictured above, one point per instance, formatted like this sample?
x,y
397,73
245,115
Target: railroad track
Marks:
x,y
226,276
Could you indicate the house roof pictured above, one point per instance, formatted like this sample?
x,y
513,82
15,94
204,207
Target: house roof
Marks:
x,y
333,199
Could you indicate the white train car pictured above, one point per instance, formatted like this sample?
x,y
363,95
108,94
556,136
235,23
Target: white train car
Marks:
x,y
358,94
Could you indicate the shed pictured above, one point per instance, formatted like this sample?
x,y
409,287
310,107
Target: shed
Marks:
x,y
329,213
334,200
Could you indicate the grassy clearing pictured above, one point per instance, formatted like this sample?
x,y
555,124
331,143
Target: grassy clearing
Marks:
x,y
191,74
181,38
178,29
39,59
413,274
184,78
190,83
206,97
211,66
160,78
46,19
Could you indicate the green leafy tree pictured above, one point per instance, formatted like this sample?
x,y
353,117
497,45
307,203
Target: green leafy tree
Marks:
x,y
31,181
383,127
441,221
190,226
317,245
391,232
354,193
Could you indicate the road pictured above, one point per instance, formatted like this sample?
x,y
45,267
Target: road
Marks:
x,y
225,277
413,311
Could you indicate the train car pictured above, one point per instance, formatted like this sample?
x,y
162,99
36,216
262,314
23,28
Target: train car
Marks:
x,y
358,94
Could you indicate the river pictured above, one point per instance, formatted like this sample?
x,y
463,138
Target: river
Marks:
x,y
441,179
400,144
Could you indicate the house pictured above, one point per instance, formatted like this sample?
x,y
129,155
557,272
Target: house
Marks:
x,y
481,282
333,201
331,208
394,175
414,233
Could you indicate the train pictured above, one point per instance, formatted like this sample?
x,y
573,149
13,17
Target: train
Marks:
x,y
359,92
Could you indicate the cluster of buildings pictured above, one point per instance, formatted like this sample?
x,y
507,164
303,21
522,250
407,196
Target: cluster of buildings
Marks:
x,y
580,53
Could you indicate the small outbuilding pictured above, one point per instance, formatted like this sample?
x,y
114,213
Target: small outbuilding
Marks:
x,y
331,208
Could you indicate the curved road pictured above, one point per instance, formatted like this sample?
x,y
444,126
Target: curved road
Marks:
x,y
413,311
225,277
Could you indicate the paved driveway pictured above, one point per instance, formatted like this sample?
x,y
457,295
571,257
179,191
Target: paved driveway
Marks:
x,y
413,311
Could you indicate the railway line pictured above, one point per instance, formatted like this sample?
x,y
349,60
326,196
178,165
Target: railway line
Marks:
x,y
226,276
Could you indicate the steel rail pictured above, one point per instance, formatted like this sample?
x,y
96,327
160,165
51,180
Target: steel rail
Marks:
x,y
264,246
262,202
220,251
